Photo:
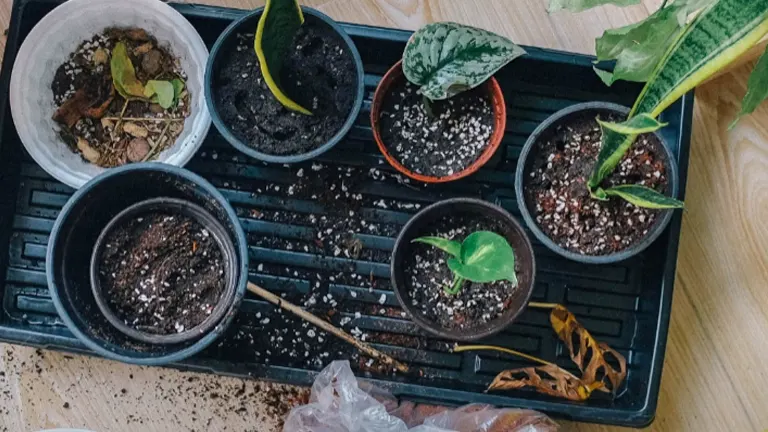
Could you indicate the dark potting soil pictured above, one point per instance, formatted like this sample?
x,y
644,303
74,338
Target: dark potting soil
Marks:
x,y
443,143
88,108
558,198
319,75
426,275
162,273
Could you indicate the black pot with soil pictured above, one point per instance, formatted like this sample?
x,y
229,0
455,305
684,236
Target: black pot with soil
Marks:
x,y
147,264
420,273
552,192
323,73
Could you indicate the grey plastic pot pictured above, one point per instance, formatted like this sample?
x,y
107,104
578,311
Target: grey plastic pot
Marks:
x,y
523,168
248,24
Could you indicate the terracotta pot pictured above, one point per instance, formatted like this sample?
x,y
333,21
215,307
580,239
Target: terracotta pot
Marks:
x,y
491,87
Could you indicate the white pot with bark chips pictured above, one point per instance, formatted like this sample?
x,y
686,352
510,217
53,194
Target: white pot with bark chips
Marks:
x,y
50,44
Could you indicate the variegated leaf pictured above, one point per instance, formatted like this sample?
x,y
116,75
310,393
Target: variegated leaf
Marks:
x,y
642,196
580,5
446,58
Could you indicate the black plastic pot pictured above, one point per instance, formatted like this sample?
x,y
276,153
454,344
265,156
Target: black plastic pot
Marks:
x,y
75,234
420,224
217,231
247,24
524,169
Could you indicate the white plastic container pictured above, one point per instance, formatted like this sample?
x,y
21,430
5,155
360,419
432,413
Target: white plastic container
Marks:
x,y
50,44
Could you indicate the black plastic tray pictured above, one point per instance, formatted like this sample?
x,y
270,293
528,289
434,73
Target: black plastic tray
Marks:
x,y
625,305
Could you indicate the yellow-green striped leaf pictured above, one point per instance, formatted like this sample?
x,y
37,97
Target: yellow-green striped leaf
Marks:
x,y
580,5
757,88
616,141
445,58
642,196
716,37
451,247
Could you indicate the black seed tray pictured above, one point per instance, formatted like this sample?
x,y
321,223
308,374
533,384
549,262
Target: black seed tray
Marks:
x,y
299,218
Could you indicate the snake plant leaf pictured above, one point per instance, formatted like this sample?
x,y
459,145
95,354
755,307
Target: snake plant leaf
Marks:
x,y
485,257
616,141
757,88
642,196
446,58
581,5
160,92
451,247
277,27
716,36
123,73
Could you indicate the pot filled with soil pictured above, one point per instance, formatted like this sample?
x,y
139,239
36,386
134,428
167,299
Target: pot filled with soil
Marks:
x,y
603,221
441,118
102,83
296,95
463,269
163,271
164,241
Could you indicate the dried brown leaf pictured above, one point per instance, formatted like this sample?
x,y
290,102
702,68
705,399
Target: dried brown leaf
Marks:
x,y
590,356
73,109
550,380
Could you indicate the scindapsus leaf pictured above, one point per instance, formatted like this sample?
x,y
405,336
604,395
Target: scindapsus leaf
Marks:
x,y
445,58
123,73
452,248
485,257
617,139
757,89
160,92
178,88
581,5
277,27
642,196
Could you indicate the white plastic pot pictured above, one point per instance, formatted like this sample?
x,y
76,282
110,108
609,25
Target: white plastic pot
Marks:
x,y
50,44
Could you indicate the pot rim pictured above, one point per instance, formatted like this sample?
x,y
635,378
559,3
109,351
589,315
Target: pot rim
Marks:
x,y
492,88
528,149
224,129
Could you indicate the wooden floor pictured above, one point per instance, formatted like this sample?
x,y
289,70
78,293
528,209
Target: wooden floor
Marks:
x,y
714,375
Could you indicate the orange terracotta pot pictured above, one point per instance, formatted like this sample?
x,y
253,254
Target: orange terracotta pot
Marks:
x,y
499,123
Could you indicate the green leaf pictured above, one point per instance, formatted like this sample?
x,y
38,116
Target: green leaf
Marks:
x,y
757,89
617,139
451,247
160,92
716,37
123,73
278,25
581,5
642,196
446,58
178,88
485,257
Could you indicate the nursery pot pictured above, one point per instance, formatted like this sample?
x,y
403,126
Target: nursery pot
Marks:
x,y
496,97
50,44
247,25
421,224
76,233
208,222
524,167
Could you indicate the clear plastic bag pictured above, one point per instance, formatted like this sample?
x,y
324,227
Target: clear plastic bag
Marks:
x,y
339,403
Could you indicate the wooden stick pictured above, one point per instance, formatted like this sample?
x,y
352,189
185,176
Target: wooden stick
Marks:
x,y
152,119
543,305
158,143
463,348
325,325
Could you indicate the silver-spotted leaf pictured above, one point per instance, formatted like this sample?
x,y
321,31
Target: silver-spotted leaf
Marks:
x,y
160,92
642,196
617,139
451,247
580,5
446,58
123,73
757,88
485,257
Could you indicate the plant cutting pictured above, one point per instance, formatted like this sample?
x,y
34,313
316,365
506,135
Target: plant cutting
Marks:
x,y
438,118
284,83
462,268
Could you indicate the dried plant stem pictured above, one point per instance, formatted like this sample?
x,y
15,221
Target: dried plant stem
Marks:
x,y
157,143
122,113
463,348
149,119
326,326
543,305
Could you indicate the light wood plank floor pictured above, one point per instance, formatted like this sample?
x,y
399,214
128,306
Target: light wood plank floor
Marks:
x,y
714,374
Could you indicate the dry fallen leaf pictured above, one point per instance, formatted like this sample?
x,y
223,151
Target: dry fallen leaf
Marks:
x,y
73,109
135,130
596,361
549,379
89,153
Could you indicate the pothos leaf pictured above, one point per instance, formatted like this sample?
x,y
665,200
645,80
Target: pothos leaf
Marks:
x,y
550,380
123,73
447,58
485,257
580,5
616,140
160,92
757,89
277,27
642,196
178,88
452,248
